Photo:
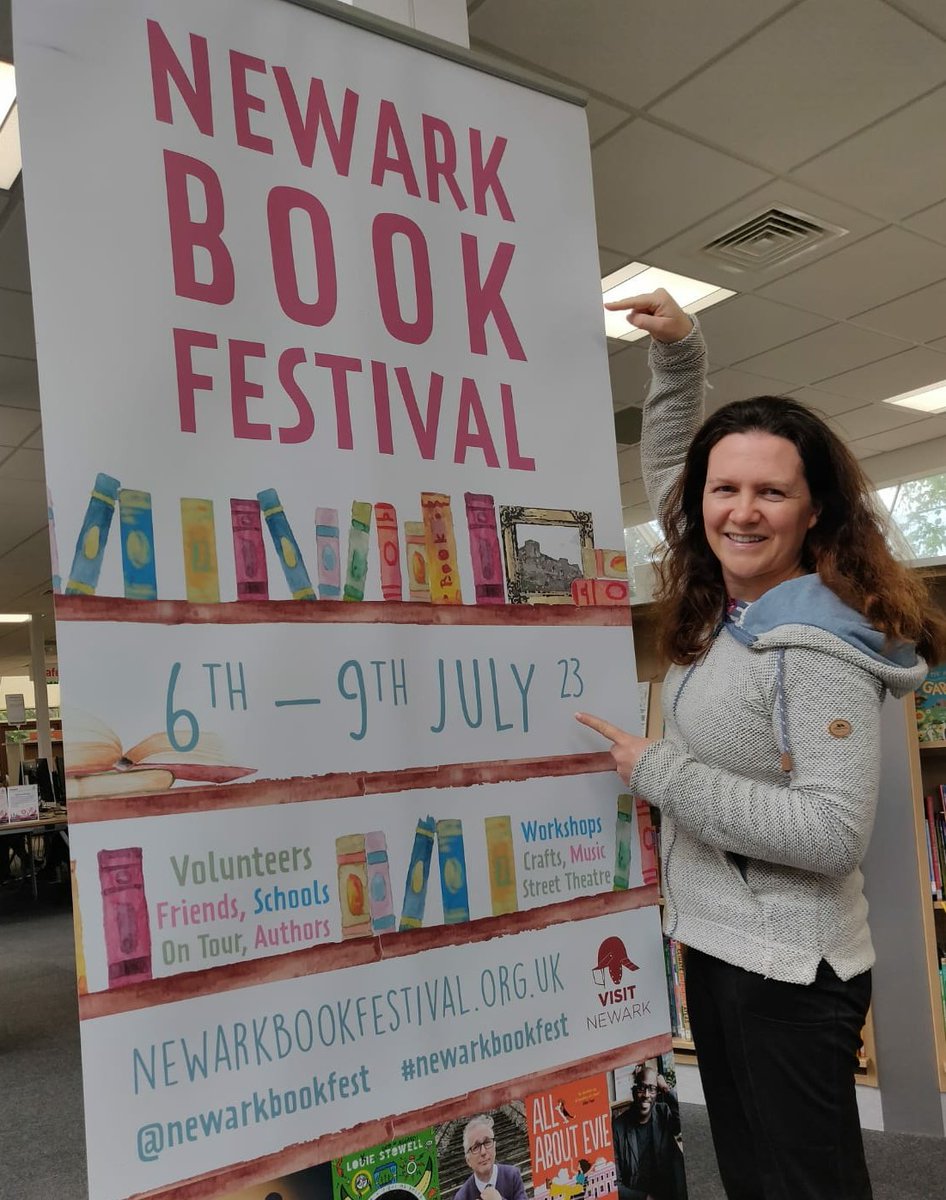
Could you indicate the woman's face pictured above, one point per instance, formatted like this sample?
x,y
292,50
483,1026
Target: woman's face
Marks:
x,y
757,509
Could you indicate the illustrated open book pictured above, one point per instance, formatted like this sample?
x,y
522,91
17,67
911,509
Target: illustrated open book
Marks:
x,y
97,765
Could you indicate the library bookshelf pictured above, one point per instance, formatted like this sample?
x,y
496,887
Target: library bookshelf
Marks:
x,y
928,771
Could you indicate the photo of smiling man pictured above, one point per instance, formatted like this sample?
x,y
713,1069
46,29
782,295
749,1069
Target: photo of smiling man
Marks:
x,y
490,1180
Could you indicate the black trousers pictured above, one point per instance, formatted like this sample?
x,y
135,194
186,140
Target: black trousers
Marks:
x,y
777,1065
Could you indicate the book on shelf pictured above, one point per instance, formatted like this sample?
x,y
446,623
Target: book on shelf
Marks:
x,y
930,699
676,989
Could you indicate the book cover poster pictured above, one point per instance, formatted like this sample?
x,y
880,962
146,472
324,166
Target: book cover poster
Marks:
x,y
570,1141
646,1133
931,706
403,1169
491,1147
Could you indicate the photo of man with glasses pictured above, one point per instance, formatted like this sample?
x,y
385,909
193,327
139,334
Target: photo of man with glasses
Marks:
x,y
490,1180
647,1150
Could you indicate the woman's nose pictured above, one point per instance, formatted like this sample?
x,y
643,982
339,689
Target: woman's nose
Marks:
x,y
744,508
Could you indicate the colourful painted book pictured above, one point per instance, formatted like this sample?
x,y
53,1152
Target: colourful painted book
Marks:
x,y
622,843
418,875
647,839
442,572
357,570
380,897
137,531
287,548
485,550
415,543
389,551
249,552
327,553
353,885
125,916
90,546
453,886
201,576
600,592
501,856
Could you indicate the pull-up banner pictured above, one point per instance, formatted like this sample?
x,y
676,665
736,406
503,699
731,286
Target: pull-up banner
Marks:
x,y
338,554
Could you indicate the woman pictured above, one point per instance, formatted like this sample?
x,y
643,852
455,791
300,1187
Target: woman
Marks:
x,y
786,620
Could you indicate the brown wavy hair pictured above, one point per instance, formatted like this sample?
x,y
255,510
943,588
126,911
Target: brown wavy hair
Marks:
x,y
846,546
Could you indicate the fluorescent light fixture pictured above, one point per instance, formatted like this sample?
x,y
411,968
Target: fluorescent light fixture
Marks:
x,y
929,399
14,618
693,295
9,128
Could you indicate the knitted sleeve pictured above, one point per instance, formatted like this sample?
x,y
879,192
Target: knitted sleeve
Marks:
x,y
673,411
821,818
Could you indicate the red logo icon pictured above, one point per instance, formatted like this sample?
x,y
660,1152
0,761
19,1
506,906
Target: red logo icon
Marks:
x,y
612,957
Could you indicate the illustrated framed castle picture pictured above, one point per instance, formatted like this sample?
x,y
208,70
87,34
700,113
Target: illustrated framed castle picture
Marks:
x,y
542,548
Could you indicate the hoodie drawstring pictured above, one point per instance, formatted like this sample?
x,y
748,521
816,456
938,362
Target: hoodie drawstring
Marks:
x,y
781,714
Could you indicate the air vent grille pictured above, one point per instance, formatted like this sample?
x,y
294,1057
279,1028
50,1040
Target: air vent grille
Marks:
x,y
771,237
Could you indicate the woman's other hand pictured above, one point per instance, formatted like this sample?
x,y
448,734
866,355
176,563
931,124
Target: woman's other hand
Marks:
x,y
656,312
626,748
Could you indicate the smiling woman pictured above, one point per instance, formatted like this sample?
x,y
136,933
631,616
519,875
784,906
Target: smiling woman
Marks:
x,y
787,621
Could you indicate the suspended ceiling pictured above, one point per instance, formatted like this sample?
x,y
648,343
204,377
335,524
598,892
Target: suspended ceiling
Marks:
x,y
701,116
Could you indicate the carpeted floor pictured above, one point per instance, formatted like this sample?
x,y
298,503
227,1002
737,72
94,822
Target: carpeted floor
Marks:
x,y
42,1152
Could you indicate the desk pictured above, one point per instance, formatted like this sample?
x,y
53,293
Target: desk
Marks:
x,y
48,822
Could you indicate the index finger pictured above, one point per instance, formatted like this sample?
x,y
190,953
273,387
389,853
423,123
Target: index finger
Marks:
x,y
599,725
648,302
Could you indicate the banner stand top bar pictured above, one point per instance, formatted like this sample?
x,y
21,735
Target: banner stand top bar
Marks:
x,y
450,50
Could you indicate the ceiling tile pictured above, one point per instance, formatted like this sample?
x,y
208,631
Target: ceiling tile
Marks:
x,y
630,376
825,353
869,420
825,403
14,260
816,75
912,462
939,344
904,435
931,222
629,464
16,324
685,253
18,382
23,464
930,12
33,443
610,260
902,373
633,493
918,317
644,185
602,118
873,271
748,325
629,51
726,386
16,424
908,144
6,32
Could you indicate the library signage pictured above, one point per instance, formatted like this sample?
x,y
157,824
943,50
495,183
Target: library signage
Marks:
x,y
325,399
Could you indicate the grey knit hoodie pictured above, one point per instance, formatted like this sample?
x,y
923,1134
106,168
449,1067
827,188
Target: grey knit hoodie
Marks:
x,y
760,865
